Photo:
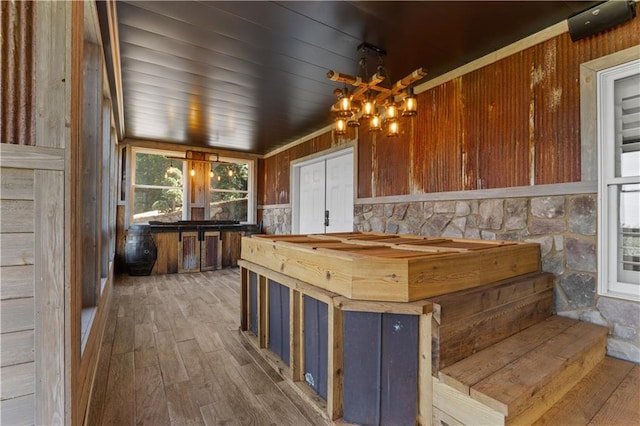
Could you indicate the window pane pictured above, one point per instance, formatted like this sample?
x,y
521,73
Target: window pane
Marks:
x,y
629,234
233,177
627,119
153,169
229,206
163,205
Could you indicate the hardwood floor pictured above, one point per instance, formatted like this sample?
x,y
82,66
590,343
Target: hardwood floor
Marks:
x,y
172,355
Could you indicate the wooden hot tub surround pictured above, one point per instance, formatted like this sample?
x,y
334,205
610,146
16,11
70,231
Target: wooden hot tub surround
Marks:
x,y
393,268
348,317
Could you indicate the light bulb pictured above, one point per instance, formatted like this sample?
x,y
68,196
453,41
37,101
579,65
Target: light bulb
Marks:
x,y
375,124
392,111
410,105
193,172
341,126
368,108
230,172
393,129
211,173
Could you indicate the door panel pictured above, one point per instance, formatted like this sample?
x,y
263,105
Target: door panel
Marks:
x,y
312,198
340,193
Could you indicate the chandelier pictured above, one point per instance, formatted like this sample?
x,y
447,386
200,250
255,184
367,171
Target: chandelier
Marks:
x,y
367,99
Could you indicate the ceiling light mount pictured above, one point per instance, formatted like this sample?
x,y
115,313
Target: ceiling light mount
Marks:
x,y
368,99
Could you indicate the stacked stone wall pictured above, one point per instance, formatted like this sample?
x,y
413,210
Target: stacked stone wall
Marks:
x,y
276,220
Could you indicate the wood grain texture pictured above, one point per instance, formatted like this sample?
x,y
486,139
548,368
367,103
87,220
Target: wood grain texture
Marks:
x,y
50,296
16,184
119,405
18,380
31,157
586,399
18,411
16,348
16,249
17,216
522,387
17,282
623,407
222,376
471,370
17,315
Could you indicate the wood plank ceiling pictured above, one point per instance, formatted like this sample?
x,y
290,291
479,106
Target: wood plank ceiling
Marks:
x,y
251,75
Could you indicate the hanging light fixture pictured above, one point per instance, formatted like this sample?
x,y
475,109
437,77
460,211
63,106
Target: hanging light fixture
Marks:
x,y
211,173
410,104
341,126
367,96
375,125
193,171
230,172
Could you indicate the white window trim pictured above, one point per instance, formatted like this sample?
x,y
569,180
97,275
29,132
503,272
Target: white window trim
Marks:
x,y
608,185
251,186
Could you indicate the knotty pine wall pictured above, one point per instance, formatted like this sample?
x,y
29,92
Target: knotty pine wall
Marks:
x,y
515,122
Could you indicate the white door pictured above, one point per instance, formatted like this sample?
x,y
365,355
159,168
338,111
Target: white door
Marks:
x,y
325,194
312,198
340,194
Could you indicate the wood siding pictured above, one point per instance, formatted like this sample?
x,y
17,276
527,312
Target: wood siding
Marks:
x,y
515,122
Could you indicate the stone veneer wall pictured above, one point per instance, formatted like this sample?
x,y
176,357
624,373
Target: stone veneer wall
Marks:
x,y
564,226
276,220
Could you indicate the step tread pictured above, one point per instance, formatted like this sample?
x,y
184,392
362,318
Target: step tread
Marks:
x,y
521,383
471,370
581,404
624,405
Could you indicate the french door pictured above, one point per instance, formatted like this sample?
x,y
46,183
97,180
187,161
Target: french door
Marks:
x,y
324,189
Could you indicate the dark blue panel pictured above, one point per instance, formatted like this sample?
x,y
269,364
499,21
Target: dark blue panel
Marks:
x,y
253,302
279,320
284,305
362,349
275,318
399,369
323,340
315,344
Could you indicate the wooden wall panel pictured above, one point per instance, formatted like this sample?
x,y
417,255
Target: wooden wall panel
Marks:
x,y
17,84
17,309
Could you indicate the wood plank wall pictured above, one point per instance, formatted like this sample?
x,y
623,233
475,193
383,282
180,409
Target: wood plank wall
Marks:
x,y
17,71
17,295
515,122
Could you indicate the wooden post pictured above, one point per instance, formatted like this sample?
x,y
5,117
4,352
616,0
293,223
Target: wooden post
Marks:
x,y
335,365
263,312
296,339
425,381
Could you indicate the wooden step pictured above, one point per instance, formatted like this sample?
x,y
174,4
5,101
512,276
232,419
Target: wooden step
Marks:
x,y
526,374
608,395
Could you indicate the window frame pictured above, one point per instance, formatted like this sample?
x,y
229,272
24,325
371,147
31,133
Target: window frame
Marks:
x,y
251,194
609,185
185,182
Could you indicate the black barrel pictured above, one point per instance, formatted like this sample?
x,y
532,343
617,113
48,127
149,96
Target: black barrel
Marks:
x,y
140,250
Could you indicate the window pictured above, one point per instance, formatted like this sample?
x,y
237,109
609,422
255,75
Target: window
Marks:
x,y
619,180
158,187
230,190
